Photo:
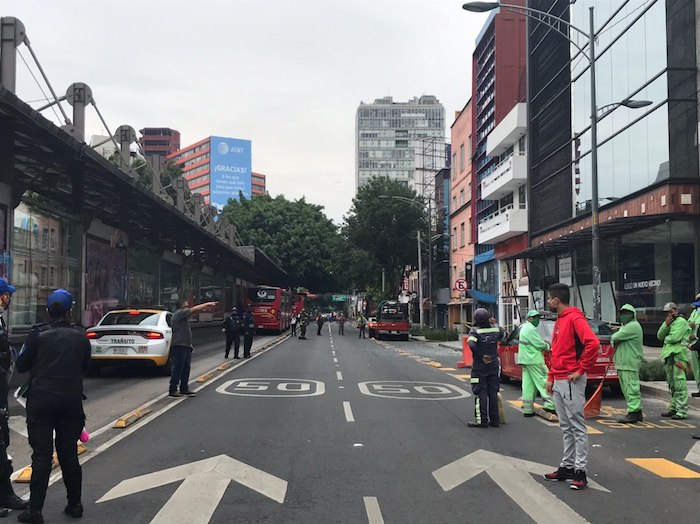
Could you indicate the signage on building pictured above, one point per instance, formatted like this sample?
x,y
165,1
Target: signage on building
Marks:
x,y
565,271
230,170
644,284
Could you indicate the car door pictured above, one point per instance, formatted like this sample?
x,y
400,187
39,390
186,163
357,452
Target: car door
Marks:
x,y
168,329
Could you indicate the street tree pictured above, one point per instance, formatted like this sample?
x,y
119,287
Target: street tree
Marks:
x,y
385,227
295,234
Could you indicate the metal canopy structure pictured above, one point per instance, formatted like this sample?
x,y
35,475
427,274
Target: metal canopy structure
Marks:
x,y
38,156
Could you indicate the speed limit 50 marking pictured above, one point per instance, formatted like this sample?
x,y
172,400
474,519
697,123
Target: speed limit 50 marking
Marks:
x,y
272,387
411,390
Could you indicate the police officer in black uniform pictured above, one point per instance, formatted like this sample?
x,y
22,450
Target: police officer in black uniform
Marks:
x,y
8,499
483,341
56,354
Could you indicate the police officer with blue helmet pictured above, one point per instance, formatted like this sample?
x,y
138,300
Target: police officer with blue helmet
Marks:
x,y
8,499
56,354
483,340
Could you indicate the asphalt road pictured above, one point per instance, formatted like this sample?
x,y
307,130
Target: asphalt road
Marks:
x,y
336,429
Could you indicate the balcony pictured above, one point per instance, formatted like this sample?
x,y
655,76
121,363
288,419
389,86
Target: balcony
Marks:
x,y
508,131
505,223
507,176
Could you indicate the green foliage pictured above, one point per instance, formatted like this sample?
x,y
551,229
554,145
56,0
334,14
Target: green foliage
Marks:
x,y
384,230
440,335
295,234
652,370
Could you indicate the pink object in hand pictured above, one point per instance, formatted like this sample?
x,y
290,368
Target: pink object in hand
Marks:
x,y
84,436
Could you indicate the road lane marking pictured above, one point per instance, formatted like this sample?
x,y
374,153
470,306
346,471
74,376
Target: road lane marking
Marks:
x,y
412,390
694,454
664,468
335,360
339,375
348,412
461,377
374,514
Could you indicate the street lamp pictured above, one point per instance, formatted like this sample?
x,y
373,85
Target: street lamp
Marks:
x,y
420,263
553,22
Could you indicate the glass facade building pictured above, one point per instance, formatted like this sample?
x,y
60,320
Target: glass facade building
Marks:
x,y
388,133
648,180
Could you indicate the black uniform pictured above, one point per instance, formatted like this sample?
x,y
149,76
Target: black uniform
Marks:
x,y
248,332
232,325
6,490
485,373
56,355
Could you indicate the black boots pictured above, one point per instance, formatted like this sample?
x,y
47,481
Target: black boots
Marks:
x,y
632,418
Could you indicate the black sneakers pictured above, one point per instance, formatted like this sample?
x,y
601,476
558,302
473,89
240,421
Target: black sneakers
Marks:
x,y
580,481
74,510
31,517
632,418
188,393
560,475
13,502
477,424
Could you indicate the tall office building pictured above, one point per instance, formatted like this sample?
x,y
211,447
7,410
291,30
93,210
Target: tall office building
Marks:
x,y
258,184
389,136
159,140
217,168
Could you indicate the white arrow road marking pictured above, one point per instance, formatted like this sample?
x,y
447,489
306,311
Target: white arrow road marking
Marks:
x,y
205,482
513,476
374,514
18,424
694,454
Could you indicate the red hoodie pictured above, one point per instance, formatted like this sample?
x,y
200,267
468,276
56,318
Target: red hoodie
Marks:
x,y
564,362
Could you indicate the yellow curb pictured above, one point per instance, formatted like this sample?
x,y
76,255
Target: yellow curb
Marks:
x,y
25,475
462,377
206,376
434,364
224,366
448,369
130,418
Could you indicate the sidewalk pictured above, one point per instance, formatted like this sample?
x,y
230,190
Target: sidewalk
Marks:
x,y
656,388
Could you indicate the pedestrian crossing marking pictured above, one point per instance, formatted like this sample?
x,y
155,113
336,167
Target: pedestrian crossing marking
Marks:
x,y
665,468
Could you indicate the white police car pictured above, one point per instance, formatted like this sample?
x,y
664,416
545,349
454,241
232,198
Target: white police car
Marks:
x,y
132,337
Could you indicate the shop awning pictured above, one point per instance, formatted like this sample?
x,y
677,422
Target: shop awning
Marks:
x,y
482,297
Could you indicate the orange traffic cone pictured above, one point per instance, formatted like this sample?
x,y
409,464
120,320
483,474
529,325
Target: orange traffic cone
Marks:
x,y
467,357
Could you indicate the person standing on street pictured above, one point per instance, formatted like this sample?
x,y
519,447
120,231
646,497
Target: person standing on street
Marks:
x,y
56,354
8,499
362,324
181,348
232,327
574,353
483,341
674,333
628,358
293,324
248,331
319,323
341,323
694,323
531,350
303,323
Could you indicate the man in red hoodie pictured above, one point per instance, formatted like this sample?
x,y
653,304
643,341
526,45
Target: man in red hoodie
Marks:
x,y
574,352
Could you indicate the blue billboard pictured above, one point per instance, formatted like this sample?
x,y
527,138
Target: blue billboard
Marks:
x,y
229,169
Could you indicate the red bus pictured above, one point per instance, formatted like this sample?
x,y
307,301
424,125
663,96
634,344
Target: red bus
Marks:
x,y
392,319
298,303
271,306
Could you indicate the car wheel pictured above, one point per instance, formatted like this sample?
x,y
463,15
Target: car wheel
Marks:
x,y
505,379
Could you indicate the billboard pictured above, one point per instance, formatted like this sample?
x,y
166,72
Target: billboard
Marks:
x,y
230,166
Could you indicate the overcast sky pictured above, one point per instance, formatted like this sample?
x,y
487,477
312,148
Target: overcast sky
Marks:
x,y
287,75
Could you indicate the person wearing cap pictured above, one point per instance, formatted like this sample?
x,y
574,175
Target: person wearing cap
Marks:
x,y
56,354
628,358
232,327
674,333
8,499
694,323
531,348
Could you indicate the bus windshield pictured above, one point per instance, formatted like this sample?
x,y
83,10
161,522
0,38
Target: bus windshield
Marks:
x,y
261,295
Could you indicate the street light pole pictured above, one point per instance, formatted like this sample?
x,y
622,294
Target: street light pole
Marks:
x,y
420,283
430,262
553,22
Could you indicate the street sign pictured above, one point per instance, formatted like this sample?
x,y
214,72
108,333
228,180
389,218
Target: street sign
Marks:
x,y
205,483
514,477
461,284
339,298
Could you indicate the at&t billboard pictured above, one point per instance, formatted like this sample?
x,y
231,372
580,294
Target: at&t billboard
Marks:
x,y
230,165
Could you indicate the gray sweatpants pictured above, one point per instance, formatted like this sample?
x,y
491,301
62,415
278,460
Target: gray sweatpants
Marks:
x,y
569,398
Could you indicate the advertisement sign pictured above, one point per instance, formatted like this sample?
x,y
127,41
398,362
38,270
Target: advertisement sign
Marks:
x,y
230,167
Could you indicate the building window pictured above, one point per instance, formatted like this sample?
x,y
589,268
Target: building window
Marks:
x,y
454,239
462,239
454,202
461,158
454,166
469,147
461,197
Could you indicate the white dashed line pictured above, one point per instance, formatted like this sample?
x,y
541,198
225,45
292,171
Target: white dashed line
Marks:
x,y
339,375
348,412
374,514
335,360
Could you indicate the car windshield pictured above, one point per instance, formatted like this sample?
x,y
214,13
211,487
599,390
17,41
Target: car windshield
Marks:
x,y
547,326
130,318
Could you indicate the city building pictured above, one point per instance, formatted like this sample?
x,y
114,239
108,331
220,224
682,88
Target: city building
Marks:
x,y
499,84
461,239
648,177
440,252
159,140
218,168
258,184
388,134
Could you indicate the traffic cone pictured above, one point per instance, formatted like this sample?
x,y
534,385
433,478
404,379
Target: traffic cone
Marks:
x,y
467,357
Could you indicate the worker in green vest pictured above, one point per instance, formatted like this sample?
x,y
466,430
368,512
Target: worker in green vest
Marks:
x,y
628,357
694,323
531,350
674,332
